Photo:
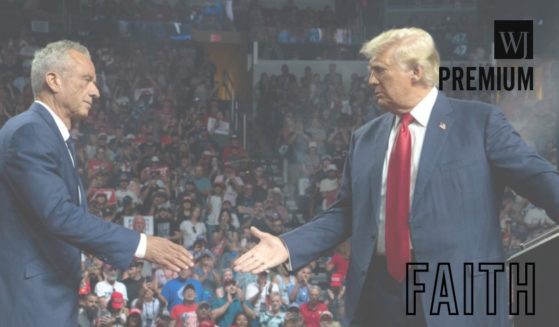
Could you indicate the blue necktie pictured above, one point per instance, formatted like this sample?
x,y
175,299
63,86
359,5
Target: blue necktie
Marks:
x,y
72,146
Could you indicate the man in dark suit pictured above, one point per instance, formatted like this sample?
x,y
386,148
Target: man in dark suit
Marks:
x,y
44,224
423,182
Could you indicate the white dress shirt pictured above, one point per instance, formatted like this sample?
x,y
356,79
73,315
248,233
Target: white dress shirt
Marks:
x,y
420,113
142,246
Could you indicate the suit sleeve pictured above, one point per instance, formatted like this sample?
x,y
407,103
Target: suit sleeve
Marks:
x,y
520,167
33,173
326,230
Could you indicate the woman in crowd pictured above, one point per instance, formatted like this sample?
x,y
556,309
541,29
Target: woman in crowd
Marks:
x,y
192,228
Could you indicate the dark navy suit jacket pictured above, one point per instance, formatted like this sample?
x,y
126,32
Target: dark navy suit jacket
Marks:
x,y
469,154
43,227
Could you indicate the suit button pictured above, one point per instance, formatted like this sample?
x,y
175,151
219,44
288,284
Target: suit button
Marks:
x,y
363,272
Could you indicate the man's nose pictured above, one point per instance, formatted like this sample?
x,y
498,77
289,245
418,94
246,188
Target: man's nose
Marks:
x,y
372,79
94,93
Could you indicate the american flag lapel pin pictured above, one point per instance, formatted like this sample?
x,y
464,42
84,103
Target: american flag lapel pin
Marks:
x,y
442,126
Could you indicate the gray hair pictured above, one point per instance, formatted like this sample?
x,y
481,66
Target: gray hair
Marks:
x,y
53,57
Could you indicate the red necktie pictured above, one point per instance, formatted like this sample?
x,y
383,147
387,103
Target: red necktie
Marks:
x,y
397,231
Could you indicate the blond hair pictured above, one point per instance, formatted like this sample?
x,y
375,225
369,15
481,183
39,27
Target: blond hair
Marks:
x,y
413,47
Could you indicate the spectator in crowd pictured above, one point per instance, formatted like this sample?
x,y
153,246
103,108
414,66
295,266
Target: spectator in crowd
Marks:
x,y
203,312
311,164
173,289
327,320
277,227
215,200
192,228
259,293
105,288
226,308
166,225
299,292
234,152
184,313
312,309
329,186
339,262
285,281
241,320
274,206
273,316
257,217
150,302
139,224
89,311
117,311
261,184
336,293
293,315
134,318
123,191
134,281
202,182
233,183
207,274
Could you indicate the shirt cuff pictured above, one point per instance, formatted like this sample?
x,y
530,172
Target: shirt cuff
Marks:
x,y
142,247
287,265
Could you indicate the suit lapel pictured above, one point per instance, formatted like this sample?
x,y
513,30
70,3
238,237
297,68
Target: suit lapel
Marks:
x,y
438,126
380,144
75,183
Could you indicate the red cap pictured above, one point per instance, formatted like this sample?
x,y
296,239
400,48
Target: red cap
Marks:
x,y
117,300
135,310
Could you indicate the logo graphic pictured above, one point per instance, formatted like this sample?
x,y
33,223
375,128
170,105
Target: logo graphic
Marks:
x,y
514,39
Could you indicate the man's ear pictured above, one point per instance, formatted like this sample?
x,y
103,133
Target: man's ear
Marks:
x,y
417,73
52,80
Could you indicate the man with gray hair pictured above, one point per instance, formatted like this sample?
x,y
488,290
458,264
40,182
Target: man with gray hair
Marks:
x,y
45,224
421,183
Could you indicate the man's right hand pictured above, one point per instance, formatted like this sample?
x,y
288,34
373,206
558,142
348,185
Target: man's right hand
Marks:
x,y
168,254
270,252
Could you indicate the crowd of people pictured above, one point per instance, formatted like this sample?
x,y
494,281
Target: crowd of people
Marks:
x,y
158,155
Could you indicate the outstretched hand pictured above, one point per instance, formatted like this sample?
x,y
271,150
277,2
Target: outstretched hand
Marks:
x,y
270,252
168,254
